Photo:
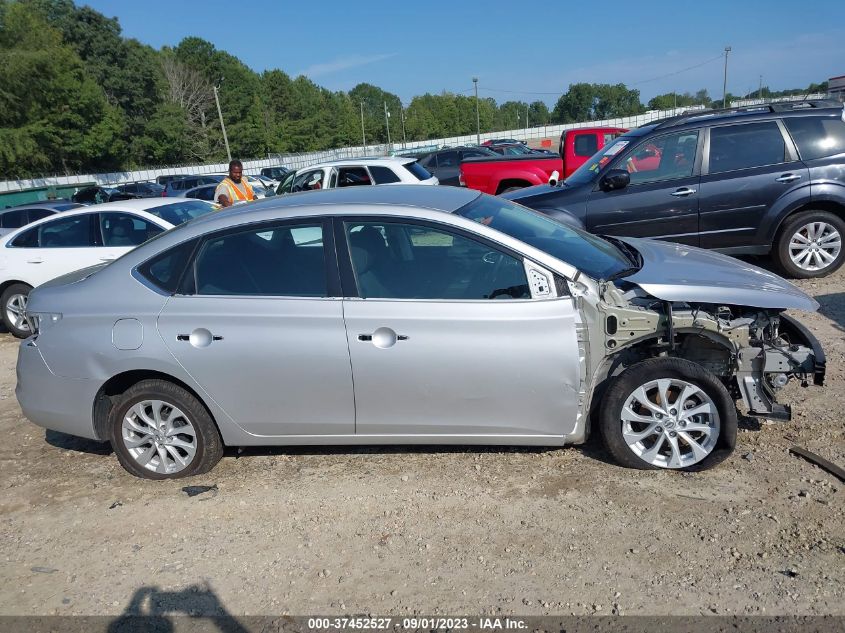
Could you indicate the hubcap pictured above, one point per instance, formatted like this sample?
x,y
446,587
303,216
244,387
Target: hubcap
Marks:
x,y
159,436
16,311
815,246
670,423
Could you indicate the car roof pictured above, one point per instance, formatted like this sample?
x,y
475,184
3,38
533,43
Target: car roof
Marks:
x,y
368,160
45,204
696,118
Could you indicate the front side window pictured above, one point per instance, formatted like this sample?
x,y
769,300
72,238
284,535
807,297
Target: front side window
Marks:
x,y
308,181
586,145
734,147
664,158
411,261
283,261
817,137
287,184
123,229
383,175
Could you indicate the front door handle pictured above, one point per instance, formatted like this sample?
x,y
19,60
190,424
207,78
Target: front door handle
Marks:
x,y
35,260
383,338
107,259
683,192
788,178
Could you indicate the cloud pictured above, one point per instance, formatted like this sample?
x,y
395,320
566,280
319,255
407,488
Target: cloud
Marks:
x,y
343,63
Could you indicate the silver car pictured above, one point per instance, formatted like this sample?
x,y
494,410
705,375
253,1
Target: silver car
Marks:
x,y
416,315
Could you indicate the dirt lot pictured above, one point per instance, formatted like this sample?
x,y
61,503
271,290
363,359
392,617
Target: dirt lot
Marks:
x,y
314,531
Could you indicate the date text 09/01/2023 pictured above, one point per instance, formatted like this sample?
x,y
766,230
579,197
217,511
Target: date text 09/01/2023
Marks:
x,y
415,623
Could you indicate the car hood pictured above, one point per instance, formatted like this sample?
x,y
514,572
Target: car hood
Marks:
x,y
674,272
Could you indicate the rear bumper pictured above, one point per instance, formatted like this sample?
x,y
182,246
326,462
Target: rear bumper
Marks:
x,y
50,401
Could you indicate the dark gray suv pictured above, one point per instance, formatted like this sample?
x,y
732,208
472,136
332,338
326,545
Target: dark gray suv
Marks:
x,y
754,180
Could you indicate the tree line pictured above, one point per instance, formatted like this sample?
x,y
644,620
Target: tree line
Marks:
x,y
76,96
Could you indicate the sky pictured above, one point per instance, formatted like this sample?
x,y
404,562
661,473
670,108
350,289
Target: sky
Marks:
x,y
518,51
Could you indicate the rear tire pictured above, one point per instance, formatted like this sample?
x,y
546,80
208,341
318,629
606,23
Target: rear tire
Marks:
x,y
13,302
159,430
810,244
668,413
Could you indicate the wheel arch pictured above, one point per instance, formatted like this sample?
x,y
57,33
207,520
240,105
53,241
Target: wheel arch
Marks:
x,y
513,182
836,207
119,383
12,282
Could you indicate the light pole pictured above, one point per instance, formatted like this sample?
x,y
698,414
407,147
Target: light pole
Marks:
x,y
517,119
387,124
477,118
760,89
725,84
402,118
526,119
222,125
363,133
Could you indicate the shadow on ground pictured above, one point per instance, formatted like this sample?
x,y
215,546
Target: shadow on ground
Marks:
x,y
152,609
78,444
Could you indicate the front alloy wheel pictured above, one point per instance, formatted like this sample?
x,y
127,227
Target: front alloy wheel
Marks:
x,y
668,413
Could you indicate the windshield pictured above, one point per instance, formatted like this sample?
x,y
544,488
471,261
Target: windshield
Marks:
x,y
588,171
591,255
181,212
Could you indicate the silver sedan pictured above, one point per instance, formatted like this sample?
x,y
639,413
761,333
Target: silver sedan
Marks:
x,y
423,315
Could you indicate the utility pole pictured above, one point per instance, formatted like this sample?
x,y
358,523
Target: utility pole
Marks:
x,y
363,133
387,124
526,119
517,119
725,84
477,118
222,125
402,118
760,89
675,96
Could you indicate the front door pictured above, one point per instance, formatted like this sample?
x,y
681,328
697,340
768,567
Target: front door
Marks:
x,y
661,200
749,167
258,330
446,340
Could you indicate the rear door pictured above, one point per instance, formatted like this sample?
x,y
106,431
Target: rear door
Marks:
x,y
259,327
662,199
748,167
446,339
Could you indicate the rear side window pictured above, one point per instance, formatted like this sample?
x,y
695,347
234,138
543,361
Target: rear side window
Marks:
x,y
817,137
13,219
285,261
182,212
419,172
27,239
586,145
165,270
447,159
71,232
734,147
383,175
39,214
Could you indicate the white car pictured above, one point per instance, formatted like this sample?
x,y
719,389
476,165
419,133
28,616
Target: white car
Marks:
x,y
353,172
53,246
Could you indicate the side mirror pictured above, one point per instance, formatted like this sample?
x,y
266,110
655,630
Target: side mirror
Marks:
x,y
615,179
554,178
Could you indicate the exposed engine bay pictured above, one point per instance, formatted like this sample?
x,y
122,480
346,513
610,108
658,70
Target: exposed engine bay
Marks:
x,y
754,351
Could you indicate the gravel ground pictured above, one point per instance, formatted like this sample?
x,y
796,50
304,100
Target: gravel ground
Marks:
x,y
433,530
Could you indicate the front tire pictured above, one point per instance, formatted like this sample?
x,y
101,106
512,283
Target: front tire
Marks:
x,y
668,413
810,244
14,300
159,430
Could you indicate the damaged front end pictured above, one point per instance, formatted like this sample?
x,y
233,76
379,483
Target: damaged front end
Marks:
x,y
754,351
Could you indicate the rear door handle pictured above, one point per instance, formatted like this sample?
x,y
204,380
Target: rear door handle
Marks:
x,y
788,178
682,192
107,259
36,260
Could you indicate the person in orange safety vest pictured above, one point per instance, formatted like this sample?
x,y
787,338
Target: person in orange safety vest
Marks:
x,y
234,188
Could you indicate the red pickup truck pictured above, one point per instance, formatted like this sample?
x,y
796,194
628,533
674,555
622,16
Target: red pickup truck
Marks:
x,y
576,146
497,175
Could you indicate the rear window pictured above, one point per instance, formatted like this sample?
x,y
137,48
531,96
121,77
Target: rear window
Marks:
x,y
586,145
817,137
383,175
181,212
419,172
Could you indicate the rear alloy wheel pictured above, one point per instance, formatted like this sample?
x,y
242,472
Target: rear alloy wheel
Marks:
x,y
161,431
668,413
810,244
14,300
